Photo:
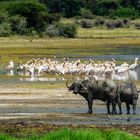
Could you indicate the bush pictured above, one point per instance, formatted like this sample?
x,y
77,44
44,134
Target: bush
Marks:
x,y
109,24
125,13
18,24
52,31
118,23
67,30
31,32
33,11
99,21
126,22
51,18
85,23
5,29
85,13
4,16
137,25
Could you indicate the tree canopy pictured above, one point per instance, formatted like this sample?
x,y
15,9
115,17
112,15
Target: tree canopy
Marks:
x,y
27,16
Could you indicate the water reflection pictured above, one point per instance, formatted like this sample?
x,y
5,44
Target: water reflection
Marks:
x,y
42,79
10,72
25,76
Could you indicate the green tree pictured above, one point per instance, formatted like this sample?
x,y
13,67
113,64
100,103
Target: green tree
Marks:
x,y
33,11
4,16
5,29
67,8
18,24
130,3
91,4
125,13
54,6
71,8
105,6
138,6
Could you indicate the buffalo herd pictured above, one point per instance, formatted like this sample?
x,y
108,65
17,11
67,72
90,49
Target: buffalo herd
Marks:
x,y
110,91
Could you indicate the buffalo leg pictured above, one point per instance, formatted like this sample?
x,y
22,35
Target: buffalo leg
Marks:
x,y
90,103
134,105
108,107
128,108
134,108
119,105
120,108
114,108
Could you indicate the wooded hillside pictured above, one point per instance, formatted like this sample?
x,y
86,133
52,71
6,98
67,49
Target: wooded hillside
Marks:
x,y
29,17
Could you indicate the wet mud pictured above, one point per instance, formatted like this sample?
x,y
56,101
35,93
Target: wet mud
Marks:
x,y
58,108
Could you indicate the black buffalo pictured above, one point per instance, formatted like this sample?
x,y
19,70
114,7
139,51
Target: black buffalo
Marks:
x,y
106,91
129,94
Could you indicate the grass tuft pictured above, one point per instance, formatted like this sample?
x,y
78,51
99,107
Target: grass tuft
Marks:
x,y
78,134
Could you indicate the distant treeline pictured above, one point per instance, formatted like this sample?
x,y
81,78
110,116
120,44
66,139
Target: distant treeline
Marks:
x,y
111,8
41,17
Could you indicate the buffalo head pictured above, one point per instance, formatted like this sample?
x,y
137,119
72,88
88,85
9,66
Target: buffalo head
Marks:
x,y
76,87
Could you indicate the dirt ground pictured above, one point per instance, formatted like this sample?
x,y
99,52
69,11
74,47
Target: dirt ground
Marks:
x,y
26,110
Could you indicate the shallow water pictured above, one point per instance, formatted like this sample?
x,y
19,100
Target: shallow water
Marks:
x,y
120,54
15,77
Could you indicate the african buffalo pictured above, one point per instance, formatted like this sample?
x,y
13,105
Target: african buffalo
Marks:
x,y
105,90
129,94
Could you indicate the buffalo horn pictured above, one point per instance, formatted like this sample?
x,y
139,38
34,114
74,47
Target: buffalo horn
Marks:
x,y
138,91
83,86
67,85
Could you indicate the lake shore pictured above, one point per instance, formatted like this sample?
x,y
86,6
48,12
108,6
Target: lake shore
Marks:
x,y
43,110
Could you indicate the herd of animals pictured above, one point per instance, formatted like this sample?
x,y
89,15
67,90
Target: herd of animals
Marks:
x,y
101,84
110,91
99,70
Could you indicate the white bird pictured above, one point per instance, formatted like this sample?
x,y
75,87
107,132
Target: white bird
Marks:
x,y
10,66
135,65
121,69
133,75
31,70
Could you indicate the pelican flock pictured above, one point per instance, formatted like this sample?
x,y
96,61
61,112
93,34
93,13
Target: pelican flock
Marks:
x,y
99,70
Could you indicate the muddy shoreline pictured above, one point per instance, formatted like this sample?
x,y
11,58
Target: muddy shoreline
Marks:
x,y
43,110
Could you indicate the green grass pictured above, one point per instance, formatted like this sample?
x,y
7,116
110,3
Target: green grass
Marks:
x,y
79,134
22,49
105,33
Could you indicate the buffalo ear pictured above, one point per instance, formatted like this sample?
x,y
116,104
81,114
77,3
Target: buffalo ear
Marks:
x,y
104,84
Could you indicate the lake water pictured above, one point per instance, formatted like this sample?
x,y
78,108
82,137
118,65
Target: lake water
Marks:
x,y
127,54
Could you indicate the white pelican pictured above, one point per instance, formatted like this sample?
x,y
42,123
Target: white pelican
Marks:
x,y
10,66
135,65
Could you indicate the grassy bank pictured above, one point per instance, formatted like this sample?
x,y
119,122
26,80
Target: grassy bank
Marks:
x,y
80,134
17,48
106,33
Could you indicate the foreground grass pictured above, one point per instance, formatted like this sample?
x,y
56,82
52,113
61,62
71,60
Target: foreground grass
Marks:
x,y
80,134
